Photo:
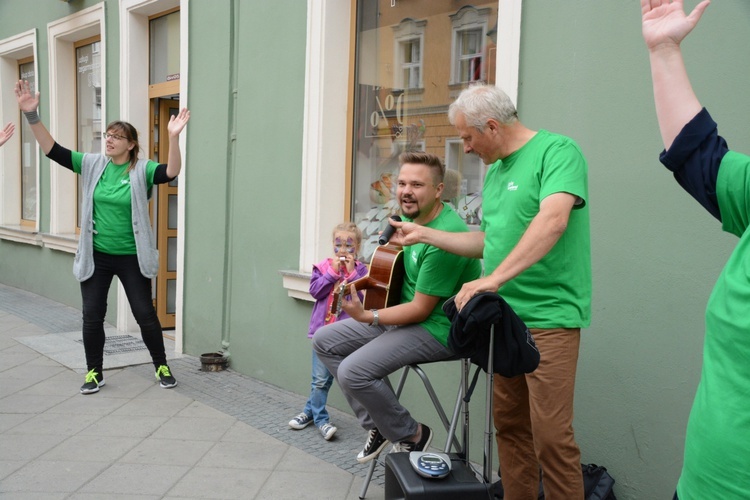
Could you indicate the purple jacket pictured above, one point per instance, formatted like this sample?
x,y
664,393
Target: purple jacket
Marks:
x,y
324,277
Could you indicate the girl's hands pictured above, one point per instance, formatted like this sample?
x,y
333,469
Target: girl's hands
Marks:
x,y
344,263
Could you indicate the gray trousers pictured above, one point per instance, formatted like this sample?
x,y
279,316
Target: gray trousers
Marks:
x,y
361,357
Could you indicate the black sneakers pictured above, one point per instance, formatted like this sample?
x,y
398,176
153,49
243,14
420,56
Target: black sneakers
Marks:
x,y
300,421
374,445
165,378
421,445
94,380
327,430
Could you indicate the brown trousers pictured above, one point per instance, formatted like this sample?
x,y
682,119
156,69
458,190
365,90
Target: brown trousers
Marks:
x,y
534,421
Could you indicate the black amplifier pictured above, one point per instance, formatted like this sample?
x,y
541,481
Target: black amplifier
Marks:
x,y
403,482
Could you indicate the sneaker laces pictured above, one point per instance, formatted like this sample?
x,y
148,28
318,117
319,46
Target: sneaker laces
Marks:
x,y
399,447
371,438
163,370
91,376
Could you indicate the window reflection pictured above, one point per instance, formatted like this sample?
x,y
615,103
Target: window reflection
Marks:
x,y
165,48
28,153
412,60
172,212
171,296
88,104
172,254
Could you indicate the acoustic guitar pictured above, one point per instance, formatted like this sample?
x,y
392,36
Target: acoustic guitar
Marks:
x,y
383,281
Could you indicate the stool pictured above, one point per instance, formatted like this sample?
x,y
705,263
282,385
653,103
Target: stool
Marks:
x,y
450,425
403,483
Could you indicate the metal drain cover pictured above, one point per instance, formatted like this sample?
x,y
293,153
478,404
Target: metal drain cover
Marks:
x,y
118,344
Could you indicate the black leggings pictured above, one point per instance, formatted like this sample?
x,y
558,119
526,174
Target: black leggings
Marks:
x,y
138,290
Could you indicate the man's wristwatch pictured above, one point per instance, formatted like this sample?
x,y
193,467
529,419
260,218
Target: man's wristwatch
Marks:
x,y
374,317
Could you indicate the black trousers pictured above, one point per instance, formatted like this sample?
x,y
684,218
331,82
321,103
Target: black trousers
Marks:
x,y
137,287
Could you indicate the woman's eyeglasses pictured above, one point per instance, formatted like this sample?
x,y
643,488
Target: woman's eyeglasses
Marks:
x,y
113,136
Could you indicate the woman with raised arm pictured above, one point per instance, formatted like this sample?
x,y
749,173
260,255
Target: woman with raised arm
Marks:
x,y
717,442
116,237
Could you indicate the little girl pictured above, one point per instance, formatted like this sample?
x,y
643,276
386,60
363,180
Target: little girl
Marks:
x,y
326,278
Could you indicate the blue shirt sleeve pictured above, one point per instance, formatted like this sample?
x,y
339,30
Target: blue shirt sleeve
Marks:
x,y
694,158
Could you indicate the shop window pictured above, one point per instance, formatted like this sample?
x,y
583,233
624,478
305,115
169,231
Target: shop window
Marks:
x,y
389,120
77,59
463,189
331,165
164,58
29,158
19,157
88,104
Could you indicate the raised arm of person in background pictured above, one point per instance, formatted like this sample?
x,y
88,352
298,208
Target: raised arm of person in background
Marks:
x,y
174,127
28,103
6,133
665,25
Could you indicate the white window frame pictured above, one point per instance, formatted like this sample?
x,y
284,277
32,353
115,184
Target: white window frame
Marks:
x,y
62,35
407,31
12,50
134,108
325,120
466,19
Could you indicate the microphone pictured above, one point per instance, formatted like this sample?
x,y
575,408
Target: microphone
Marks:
x,y
388,231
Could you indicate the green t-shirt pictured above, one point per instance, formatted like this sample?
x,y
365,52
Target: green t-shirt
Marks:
x,y
432,271
113,217
556,291
717,444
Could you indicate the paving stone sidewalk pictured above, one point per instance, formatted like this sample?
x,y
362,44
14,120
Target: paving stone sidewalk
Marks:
x,y
216,435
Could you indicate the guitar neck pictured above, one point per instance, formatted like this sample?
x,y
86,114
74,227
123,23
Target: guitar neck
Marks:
x,y
366,283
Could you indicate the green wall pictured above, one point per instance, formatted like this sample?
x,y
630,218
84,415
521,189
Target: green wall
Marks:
x,y
656,253
243,199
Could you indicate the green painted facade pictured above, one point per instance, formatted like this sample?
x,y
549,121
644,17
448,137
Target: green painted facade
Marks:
x,y
583,72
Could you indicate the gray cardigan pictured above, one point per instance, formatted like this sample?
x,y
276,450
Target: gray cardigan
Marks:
x,y
92,167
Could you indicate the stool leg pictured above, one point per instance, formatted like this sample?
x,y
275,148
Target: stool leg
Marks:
x,y
368,478
436,403
454,423
374,461
465,369
489,434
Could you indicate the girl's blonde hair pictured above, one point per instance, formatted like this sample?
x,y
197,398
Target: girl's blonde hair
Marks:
x,y
349,227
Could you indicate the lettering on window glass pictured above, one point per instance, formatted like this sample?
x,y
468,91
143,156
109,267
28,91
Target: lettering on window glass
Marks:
x,y
412,60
